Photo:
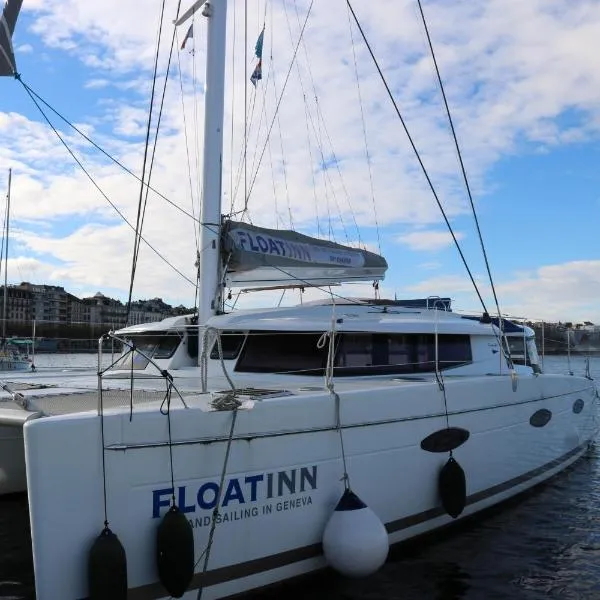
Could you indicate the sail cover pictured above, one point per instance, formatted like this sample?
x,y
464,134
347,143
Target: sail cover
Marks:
x,y
260,257
8,21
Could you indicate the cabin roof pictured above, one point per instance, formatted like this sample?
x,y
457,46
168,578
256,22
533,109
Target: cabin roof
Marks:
x,y
354,317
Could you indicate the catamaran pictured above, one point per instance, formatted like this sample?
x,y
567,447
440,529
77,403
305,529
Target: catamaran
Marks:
x,y
227,451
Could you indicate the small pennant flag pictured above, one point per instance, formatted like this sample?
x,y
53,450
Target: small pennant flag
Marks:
x,y
259,44
257,73
188,35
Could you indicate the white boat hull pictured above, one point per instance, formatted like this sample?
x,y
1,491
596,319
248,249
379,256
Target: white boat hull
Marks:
x,y
283,476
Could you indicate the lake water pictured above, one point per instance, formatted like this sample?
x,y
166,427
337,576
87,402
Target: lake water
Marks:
x,y
545,544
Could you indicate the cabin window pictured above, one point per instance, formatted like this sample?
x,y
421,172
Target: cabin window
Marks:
x,y
192,342
389,353
356,353
268,352
523,351
154,346
231,344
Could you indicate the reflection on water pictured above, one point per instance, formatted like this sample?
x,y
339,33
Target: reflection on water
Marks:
x,y
546,544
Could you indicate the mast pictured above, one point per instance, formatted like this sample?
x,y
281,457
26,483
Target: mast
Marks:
x,y
5,303
210,289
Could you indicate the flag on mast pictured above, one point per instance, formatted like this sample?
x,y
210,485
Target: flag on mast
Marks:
x,y
257,73
188,35
259,44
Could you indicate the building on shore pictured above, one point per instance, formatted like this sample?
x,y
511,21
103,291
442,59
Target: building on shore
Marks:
x,y
73,323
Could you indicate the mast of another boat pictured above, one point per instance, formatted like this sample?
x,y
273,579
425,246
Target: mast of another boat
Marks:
x,y
5,303
210,289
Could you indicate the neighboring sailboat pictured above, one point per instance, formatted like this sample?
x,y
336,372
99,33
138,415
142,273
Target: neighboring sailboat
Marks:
x,y
232,451
12,356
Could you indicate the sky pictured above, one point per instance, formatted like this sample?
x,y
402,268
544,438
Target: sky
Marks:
x,y
326,152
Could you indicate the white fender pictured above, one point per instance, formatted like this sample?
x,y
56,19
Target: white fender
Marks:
x,y
355,542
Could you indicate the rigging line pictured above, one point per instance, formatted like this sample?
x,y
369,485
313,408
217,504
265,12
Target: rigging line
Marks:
x,y
103,194
245,105
271,74
501,337
312,171
418,156
232,125
100,149
309,119
274,183
187,149
3,261
364,130
248,125
141,200
242,155
281,149
199,190
159,120
252,183
262,115
328,177
320,143
241,161
462,165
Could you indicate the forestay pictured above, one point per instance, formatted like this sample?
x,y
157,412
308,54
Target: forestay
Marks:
x,y
261,257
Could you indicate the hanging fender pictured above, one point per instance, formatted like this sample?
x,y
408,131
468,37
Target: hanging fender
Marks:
x,y
107,568
355,541
175,552
452,487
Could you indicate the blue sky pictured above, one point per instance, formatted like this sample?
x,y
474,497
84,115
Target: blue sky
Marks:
x,y
523,86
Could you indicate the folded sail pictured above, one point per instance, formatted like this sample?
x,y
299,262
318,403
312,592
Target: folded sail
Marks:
x,y
260,257
8,21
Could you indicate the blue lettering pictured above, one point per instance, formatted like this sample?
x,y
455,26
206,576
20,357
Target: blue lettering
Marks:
x,y
281,246
210,486
242,239
262,243
308,477
234,492
273,249
253,481
253,246
158,502
182,507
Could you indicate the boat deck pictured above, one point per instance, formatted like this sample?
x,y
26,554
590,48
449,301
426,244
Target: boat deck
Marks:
x,y
50,395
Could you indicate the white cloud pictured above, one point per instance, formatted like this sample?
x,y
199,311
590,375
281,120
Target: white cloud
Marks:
x,y
97,83
429,266
566,291
430,241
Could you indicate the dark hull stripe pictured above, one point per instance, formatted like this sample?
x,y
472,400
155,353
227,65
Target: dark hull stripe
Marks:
x,y
259,565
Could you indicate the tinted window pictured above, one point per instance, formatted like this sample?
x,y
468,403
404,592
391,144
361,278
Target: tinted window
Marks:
x,y
356,353
155,346
231,344
381,353
268,352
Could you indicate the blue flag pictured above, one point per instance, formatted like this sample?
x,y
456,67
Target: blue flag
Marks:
x,y
257,73
259,44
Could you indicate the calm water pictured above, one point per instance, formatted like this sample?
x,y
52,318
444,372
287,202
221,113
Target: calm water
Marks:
x,y
544,545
